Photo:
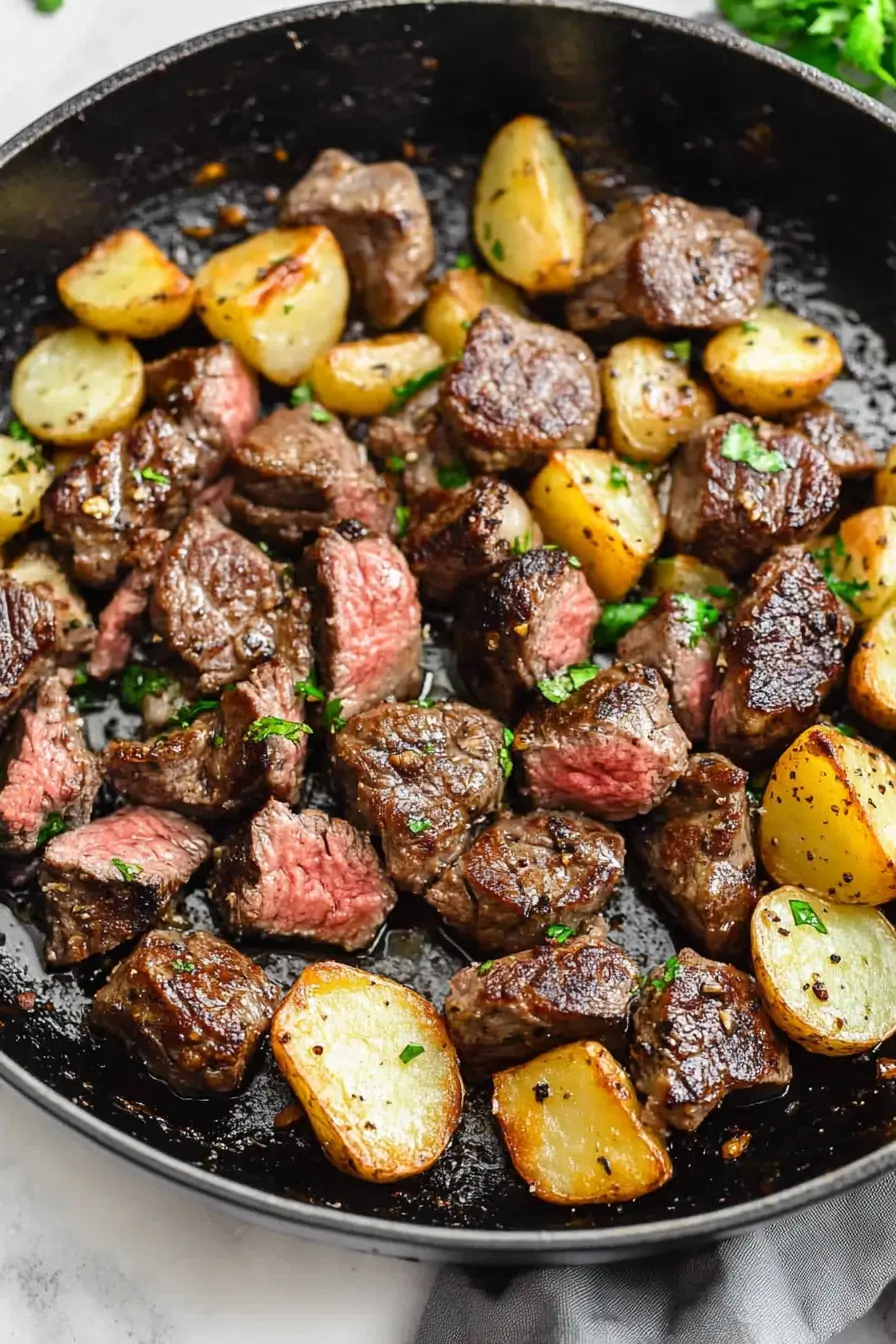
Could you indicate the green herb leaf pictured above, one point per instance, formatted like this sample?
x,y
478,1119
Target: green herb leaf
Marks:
x,y
845,729
498,250
54,825
139,682
561,686
16,430
218,740
129,871
183,965
804,913
411,1052
504,756
417,825
522,545
464,262
748,327
270,726
48,6
320,416
740,444
309,688
721,592
402,518
617,618
333,720
485,966
299,395
618,479
79,676
560,933
666,975
680,350
454,477
847,590
395,464
403,393
699,614
573,561
150,474
186,715
866,39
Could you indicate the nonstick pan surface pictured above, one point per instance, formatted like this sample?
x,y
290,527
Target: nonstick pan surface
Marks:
x,y
645,100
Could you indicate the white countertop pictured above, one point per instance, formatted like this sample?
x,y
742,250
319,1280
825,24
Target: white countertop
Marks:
x,y
91,1250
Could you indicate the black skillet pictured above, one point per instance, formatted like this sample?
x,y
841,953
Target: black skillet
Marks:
x,y
647,100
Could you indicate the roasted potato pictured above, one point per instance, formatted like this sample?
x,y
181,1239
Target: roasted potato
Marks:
x,y
600,510
77,386
687,574
573,1128
280,297
829,818
460,296
862,560
872,672
885,480
529,216
24,476
373,1066
366,377
652,403
126,284
826,972
772,363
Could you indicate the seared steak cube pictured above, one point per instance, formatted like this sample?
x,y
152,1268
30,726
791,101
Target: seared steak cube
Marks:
x,y
734,514
599,298
784,651
420,779
49,778
301,875
295,473
411,442
121,618
523,874
507,1011
676,638
529,619
519,390
847,453
467,534
191,1006
38,568
698,849
211,391
699,1033
381,221
113,879
27,641
612,749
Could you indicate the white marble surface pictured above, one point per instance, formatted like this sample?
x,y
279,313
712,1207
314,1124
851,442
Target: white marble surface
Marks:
x,y
91,1251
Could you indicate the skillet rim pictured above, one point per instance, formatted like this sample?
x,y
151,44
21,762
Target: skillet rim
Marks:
x,y
362,1231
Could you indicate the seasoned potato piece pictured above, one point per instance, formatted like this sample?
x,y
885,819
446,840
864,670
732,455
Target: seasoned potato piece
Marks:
x,y
600,510
772,363
652,403
528,213
829,818
826,972
885,480
687,574
460,296
364,377
280,298
573,1128
24,476
373,1066
863,560
77,386
872,672
127,285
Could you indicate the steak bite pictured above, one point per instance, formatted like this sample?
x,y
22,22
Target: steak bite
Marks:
x,y
678,639
27,641
121,617
211,391
467,534
598,299
294,473
191,1006
413,441
507,1011
301,875
420,778
49,778
523,874
38,568
519,390
529,619
381,221
368,619
700,1032
113,879
733,514
784,651
698,849
847,453
611,749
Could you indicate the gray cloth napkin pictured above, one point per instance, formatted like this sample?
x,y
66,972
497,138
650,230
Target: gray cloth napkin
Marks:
x,y
797,1281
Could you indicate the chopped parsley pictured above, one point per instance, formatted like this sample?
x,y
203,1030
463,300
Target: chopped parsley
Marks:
x,y
320,416
395,464
560,933
129,871
847,590
454,477
573,561
804,913
699,614
617,618
721,592
218,740
79,676
464,262
310,689
402,518
150,474
498,250
667,974
16,430
748,327
270,726
485,966
504,757
299,395
48,6
422,702
139,682
522,545
740,444
417,825
411,1052
561,686
844,728
333,720
680,350
402,394
186,715
184,965
618,478
54,825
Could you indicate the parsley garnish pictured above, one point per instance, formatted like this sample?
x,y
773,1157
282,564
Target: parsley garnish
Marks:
x,y
270,726
417,825
498,250
560,933
309,688
403,393
320,416
504,756
181,964
464,262
402,518
186,715
79,676
522,545
618,478
333,720
721,592
48,6
617,618
16,430
485,966
747,327
740,444
299,395
561,685
129,871
803,913
218,740
699,614
844,728
139,682
454,477
680,350
150,474
411,1052
54,825
395,464
666,975
573,561
422,702
847,590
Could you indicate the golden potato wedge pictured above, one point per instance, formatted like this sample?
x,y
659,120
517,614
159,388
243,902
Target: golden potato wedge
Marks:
x,y
77,386
600,510
862,561
872,673
826,972
885,480
529,216
24,476
126,284
280,297
367,377
772,363
652,402
373,1065
687,574
457,298
573,1128
829,818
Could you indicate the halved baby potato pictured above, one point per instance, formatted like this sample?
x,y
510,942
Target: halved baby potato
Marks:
x,y
529,215
600,510
373,1065
77,386
280,297
652,402
872,672
457,298
827,973
863,560
885,480
773,362
687,574
828,820
364,377
24,476
572,1125
126,284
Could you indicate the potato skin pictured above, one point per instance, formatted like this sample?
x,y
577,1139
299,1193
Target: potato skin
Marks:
x,y
652,403
337,1038
686,574
864,554
572,1125
872,673
126,284
362,377
457,298
773,363
24,476
77,386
